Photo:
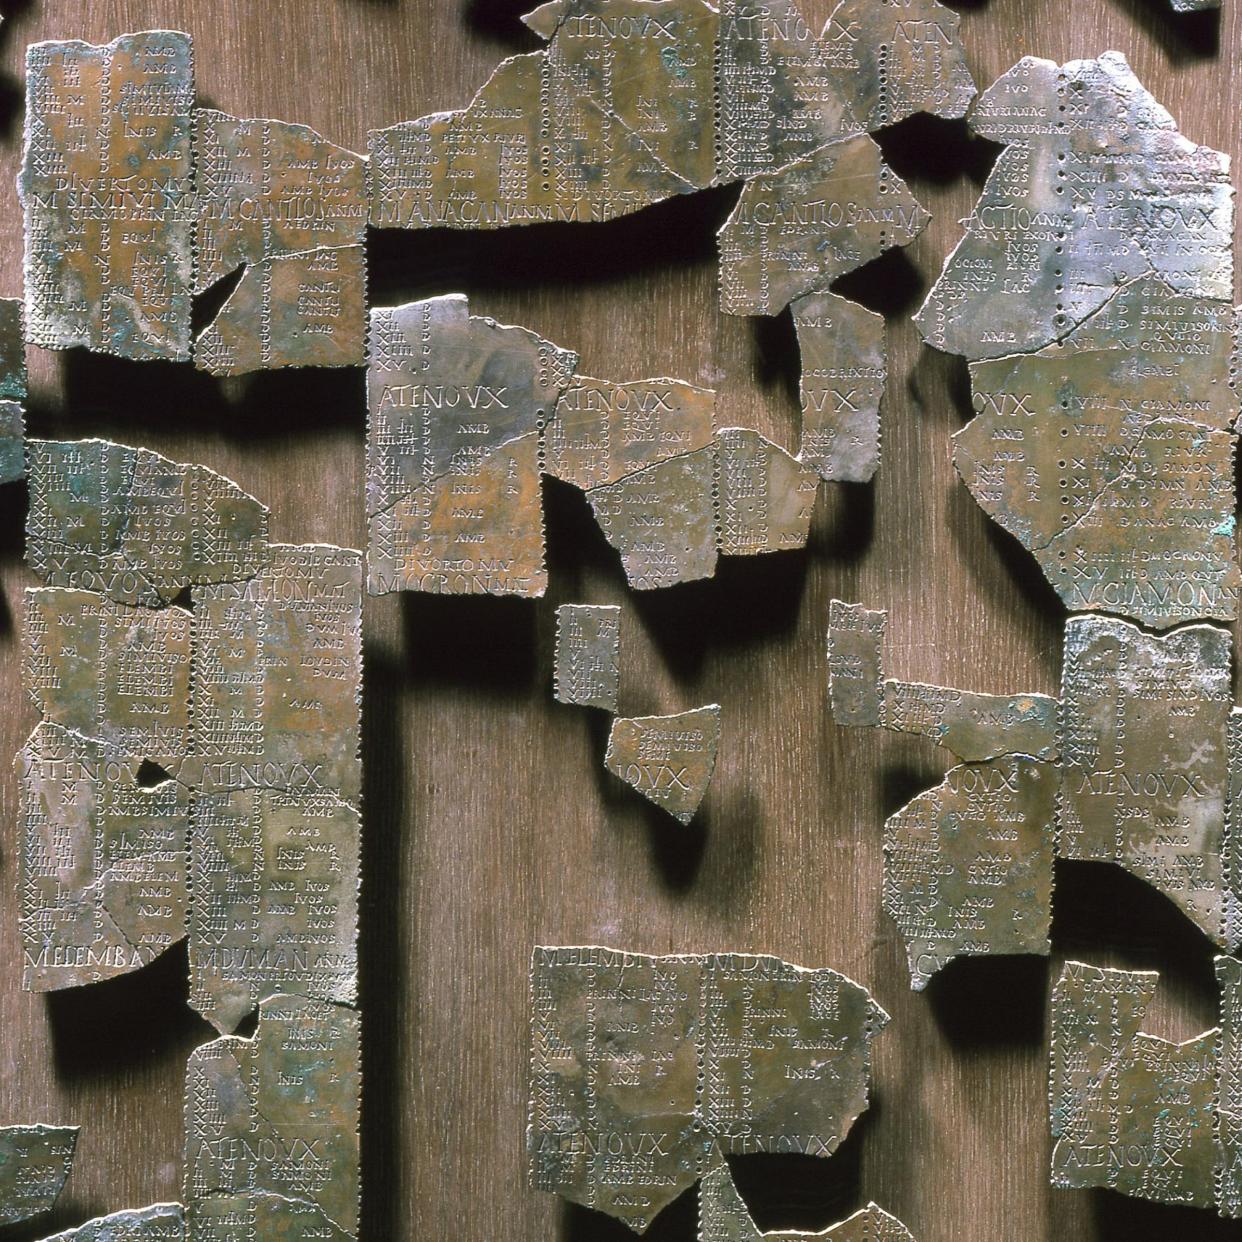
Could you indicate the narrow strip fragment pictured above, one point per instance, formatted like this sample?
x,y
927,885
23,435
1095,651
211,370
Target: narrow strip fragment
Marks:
x,y
646,1072
588,654
723,1217
668,759
271,1127
968,865
456,406
107,190
844,369
34,1164
135,526
12,390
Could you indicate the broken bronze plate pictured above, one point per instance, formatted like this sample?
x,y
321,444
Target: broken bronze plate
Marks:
x,y
456,407
765,497
723,1217
646,1072
668,759
1130,1111
968,865
102,868
107,191
290,208
162,1222
135,526
588,653
1145,771
34,1163
271,1126
12,391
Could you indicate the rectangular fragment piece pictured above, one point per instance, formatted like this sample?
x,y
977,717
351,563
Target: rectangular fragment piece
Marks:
x,y
1229,1089
1145,769
456,404
102,873
134,525
844,368
856,664
12,391
114,673
271,1127
974,726
106,187
275,829
588,652
34,1163
647,1071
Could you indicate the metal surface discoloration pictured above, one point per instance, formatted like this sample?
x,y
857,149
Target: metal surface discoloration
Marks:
x,y
275,831
662,520
271,1126
34,1163
1129,1111
292,208
660,1067
12,390
765,497
796,230
588,653
106,187
135,526
968,865
668,759
162,1222
456,407
603,431
975,727
844,369
102,869
1095,187
1144,750
1109,456
723,1217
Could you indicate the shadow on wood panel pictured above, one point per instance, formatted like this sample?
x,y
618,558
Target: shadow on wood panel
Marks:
x,y
991,1002
407,264
136,1022
498,21
930,150
1118,1218
1185,37
383,973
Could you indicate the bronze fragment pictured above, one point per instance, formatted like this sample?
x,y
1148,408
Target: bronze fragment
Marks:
x,y
797,229
968,865
1130,1111
135,526
1096,187
668,759
975,727
765,497
271,1126
12,391
1145,723
588,652
102,868
662,520
844,368
107,191
646,1072
34,1164
456,408
723,1217
291,208
162,1222
602,431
